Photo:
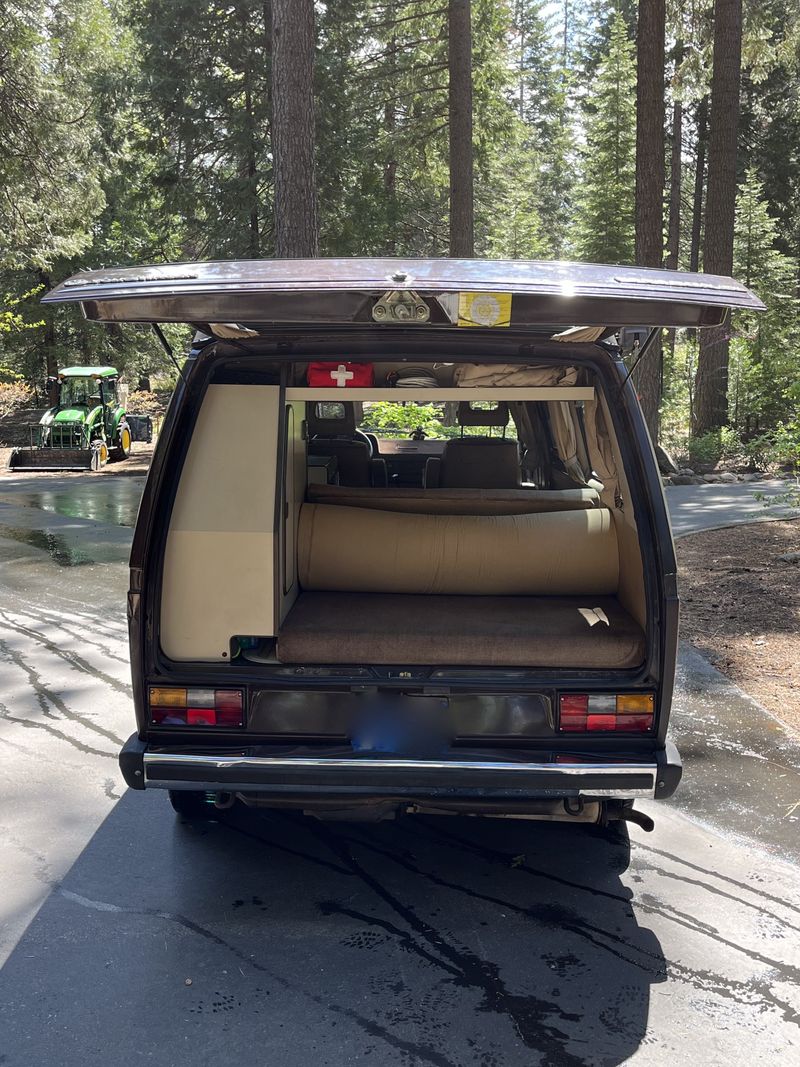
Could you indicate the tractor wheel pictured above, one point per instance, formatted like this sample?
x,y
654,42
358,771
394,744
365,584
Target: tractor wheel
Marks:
x,y
99,455
124,442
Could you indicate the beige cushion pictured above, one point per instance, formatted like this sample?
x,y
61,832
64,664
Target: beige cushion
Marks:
x,y
359,550
457,501
579,632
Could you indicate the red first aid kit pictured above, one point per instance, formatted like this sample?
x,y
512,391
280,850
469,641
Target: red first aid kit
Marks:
x,y
340,375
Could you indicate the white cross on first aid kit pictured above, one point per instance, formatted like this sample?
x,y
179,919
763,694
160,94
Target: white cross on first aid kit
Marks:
x,y
342,375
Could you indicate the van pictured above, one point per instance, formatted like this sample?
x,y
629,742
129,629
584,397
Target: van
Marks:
x,y
403,546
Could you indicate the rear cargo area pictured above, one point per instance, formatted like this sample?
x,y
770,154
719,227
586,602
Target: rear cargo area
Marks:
x,y
501,590
506,546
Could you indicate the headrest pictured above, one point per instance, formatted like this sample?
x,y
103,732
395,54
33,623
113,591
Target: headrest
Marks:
x,y
330,418
470,416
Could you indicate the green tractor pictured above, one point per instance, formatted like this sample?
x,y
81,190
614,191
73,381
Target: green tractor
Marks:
x,y
85,428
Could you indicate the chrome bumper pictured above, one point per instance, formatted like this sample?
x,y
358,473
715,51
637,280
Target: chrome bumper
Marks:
x,y
455,775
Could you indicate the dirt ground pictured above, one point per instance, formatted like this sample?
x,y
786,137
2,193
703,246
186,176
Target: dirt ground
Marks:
x,y
740,605
137,463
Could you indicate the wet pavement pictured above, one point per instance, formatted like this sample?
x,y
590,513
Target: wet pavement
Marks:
x,y
127,936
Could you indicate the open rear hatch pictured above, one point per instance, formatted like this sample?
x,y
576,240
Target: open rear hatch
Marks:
x,y
440,292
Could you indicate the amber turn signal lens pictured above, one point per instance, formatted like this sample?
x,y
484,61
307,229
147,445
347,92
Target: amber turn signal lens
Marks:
x,y
635,704
168,698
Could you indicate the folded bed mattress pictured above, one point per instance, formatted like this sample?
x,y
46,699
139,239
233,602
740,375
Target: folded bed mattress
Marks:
x,y
478,631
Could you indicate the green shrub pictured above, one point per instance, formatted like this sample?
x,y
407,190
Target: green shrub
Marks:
x,y
715,446
778,449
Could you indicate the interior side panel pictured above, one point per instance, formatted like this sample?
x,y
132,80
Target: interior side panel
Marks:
x,y
294,489
218,563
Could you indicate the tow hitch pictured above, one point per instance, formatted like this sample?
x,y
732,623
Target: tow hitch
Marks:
x,y
625,812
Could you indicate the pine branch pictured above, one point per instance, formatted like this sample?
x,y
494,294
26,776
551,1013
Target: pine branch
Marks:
x,y
405,18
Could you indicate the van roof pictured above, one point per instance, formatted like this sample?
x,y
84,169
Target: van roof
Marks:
x,y
340,291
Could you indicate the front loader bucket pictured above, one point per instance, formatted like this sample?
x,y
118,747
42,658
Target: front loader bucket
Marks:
x,y
51,459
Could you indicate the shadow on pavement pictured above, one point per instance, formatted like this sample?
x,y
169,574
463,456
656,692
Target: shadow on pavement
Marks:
x,y
271,938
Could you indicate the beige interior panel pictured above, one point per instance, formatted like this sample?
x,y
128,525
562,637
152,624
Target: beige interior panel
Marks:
x,y
294,492
359,550
218,565
631,591
216,584
631,574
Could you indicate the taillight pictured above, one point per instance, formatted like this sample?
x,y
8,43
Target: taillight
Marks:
x,y
196,707
606,712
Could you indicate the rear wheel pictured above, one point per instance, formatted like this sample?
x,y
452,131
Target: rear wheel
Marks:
x,y
191,804
124,442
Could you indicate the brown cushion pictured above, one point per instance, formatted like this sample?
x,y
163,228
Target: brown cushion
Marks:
x,y
457,501
557,554
480,631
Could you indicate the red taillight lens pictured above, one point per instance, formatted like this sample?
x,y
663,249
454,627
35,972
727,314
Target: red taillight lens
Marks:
x,y
196,707
601,722
606,713
639,724
574,709
201,717
168,716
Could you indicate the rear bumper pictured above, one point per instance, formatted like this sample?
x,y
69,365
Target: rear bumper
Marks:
x,y
460,773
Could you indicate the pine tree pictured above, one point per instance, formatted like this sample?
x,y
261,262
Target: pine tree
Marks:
x,y
763,371
650,177
604,227
201,119
293,128
460,156
711,381
50,181
542,94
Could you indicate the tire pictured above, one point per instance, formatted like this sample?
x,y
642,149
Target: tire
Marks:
x,y
192,805
124,442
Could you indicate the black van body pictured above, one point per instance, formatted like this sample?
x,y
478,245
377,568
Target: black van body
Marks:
x,y
499,745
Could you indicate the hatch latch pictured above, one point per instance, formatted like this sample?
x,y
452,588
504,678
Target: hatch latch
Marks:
x,y
401,306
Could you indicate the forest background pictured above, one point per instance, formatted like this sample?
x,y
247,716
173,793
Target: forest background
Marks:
x,y
135,131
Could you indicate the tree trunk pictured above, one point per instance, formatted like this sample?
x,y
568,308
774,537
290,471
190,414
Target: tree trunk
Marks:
x,y
390,177
711,384
251,174
293,38
48,331
675,163
390,130
650,181
699,183
462,216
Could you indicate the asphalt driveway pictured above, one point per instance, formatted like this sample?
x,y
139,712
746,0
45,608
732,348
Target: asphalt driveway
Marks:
x,y
127,936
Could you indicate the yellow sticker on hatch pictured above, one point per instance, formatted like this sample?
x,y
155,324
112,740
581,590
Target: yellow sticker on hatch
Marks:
x,y
484,309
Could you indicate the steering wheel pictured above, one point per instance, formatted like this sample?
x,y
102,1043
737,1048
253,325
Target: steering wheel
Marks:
x,y
361,436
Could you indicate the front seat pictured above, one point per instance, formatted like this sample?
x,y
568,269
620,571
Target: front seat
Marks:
x,y
337,436
477,462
